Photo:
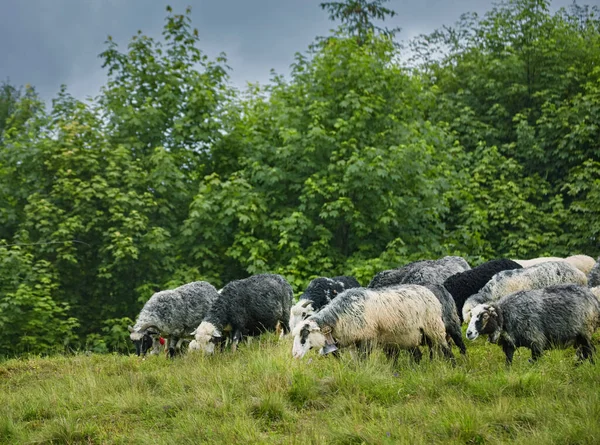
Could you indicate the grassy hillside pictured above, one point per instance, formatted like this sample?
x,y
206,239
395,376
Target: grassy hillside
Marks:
x,y
261,395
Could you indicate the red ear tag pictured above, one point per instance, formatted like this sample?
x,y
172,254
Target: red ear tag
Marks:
x,y
161,340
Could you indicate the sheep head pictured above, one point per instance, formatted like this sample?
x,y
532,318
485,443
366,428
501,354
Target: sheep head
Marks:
x,y
307,335
207,335
485,319
143,338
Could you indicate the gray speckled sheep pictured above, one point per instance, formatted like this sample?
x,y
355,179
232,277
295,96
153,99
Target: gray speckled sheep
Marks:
x,y
421,272
533,277
317,295
245,307
396,317
594,275
172,314
540,319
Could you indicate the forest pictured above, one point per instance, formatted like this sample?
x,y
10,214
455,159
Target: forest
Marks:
x,y
481,139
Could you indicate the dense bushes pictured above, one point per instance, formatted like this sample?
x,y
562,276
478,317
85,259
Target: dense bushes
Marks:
x,y
350,165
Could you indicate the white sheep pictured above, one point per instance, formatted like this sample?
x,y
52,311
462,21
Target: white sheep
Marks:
x,y
396,317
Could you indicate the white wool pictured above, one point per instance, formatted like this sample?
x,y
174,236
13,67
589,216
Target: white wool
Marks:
x,y
397,316
582,262
203,335
389,318
534,261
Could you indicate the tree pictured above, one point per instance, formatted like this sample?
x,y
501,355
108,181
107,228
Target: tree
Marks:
x,y
339,166
358,16
9,96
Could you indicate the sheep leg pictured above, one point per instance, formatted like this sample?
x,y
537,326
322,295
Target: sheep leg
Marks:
x,y
536,353
585,348
509,351
237,337
456,336
416,354
447,351
172,346
392,353
364,348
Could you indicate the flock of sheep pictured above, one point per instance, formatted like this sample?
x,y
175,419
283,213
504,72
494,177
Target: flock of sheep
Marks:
x,y
539,304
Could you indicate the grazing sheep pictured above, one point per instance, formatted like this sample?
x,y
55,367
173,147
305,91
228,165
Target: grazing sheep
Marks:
x,y
464,284
421,272
449,316
582,262
172,314
540,319
396,317
533,277
246,307
594,275
319,293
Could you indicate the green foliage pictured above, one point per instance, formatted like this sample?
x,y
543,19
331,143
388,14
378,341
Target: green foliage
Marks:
x,y
358,16
33,322
333,160
9,96
486,147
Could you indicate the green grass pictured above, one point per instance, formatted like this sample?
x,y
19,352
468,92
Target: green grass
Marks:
x,y
261,395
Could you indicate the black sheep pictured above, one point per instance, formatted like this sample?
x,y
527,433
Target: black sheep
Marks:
x,y
318,294
246,307
464,284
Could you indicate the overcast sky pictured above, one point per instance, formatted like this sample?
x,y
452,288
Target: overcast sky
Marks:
x,y
50,42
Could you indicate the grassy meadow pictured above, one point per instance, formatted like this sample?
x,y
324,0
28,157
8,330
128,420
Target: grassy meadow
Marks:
x,y
261,395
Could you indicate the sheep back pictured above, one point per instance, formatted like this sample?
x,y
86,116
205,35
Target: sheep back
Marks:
x,y
322,290
582,262
397,315
176,312
534,277
253,305
421,272
464,284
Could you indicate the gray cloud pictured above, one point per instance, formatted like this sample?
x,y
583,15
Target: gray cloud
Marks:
x,y
50,42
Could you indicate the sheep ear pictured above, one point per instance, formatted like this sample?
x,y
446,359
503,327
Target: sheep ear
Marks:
x,y
130,329
217,333
152,331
